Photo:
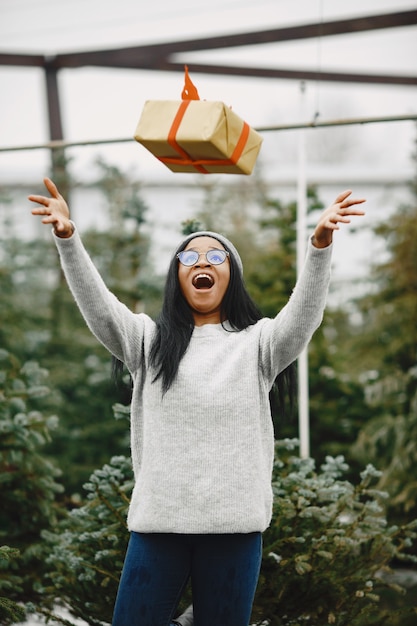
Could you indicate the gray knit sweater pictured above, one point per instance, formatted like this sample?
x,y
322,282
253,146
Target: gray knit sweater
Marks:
x,y
202,453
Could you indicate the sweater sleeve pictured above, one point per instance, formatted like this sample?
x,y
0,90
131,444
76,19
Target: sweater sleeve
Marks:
x,y
120,330
284,337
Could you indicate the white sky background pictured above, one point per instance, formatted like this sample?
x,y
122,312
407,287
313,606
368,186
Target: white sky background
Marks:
x,y
98,103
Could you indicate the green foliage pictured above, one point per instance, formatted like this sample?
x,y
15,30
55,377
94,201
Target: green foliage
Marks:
x,y
388,339
329,548
337,400
80,372
385,345
22,287
10,611
28,482
88,550
327,554
41,322
191,226
391,440
272,275
121,253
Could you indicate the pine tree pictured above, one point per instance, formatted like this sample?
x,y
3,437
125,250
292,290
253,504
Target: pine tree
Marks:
x,y
28,483
329,550
88,548
51,331
326,560
386,348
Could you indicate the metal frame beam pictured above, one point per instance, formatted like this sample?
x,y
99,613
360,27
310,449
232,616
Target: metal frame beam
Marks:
x,y
286,74
160,56
54,110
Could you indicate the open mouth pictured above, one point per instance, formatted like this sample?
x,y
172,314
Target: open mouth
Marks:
x,y
203,281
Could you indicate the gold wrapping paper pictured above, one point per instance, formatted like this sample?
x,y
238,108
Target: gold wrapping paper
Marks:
x,y
198,136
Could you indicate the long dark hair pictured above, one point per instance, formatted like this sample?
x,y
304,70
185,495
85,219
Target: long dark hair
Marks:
x,y
175,324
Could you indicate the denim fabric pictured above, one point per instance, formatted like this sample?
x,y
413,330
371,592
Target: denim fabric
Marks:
x,y
224,572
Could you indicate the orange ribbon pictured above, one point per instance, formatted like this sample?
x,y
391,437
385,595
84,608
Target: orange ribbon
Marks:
x,y
190,93
190,90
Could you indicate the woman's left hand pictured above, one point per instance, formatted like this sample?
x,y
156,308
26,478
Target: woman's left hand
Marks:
x,y
337,213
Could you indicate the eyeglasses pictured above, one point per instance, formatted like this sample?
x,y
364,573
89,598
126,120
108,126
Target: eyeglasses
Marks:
x,y
191,257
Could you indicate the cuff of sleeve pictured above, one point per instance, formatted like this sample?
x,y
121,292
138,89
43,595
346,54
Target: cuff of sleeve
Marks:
x,y
58,238
314,248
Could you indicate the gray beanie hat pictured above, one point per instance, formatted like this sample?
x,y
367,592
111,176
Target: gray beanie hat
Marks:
x,y
223,240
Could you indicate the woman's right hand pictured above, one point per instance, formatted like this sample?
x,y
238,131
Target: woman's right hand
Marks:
x,y
54,209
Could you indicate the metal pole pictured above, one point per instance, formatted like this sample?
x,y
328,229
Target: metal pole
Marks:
x,y
54,109
303,395
58,157
58,144
59,171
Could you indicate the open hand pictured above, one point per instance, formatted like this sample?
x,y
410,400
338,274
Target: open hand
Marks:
x,y
54,209
339,212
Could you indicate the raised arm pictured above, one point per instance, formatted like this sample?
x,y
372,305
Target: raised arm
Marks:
x,y
284,337
338,213
54,209
120,330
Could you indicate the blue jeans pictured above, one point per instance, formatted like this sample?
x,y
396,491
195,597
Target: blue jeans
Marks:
x,y
224,571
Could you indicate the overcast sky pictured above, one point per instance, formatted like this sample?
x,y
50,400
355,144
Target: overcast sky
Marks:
x,y
99,103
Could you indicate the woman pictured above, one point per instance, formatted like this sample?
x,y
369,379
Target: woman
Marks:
x,y
202,439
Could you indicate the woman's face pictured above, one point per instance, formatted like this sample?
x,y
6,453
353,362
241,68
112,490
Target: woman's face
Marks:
x,y
203,285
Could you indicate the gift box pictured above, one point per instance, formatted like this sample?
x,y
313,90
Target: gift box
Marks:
x,y
193,135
